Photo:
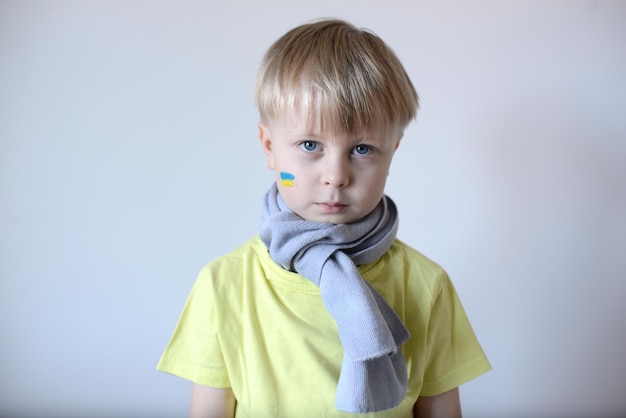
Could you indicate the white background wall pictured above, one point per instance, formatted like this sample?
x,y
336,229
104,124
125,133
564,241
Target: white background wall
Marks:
x,y
129,158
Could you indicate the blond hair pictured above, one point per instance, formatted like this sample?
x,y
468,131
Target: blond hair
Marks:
x,y
348,75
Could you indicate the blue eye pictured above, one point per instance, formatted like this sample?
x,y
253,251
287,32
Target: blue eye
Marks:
x,y
309,145
362,149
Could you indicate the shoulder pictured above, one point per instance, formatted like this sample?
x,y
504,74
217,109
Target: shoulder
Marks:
x,y
222,285
250,251
405,276
400,250
230,268
416,268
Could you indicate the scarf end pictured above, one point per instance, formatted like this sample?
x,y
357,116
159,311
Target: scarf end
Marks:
x,y
372,386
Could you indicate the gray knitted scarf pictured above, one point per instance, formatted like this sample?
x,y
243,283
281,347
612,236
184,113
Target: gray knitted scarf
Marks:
x,y
373,373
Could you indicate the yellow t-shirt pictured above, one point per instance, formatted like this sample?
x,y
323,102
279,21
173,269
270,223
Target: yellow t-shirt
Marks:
x,y
250,325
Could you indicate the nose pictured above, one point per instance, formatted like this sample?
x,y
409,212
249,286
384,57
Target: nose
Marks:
x,y
336,172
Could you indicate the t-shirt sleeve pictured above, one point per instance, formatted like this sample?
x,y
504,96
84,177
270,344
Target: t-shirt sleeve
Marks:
x,y
194,351
454,355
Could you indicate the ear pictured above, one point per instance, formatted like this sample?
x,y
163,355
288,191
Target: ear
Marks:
x,y
266,144
398,141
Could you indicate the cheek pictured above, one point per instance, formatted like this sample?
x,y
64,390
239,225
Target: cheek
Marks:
x,y
375,187
378,177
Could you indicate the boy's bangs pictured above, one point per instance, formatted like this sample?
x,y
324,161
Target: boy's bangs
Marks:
x,y
325,110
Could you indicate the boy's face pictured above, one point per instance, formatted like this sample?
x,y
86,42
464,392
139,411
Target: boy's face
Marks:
x,y
326,177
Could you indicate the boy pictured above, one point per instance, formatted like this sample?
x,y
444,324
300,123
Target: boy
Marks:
x,y
326,313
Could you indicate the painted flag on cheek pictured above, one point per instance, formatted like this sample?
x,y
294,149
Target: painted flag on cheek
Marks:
x,y
287,179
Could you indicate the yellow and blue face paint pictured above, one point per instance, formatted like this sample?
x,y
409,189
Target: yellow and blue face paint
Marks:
x,y
287,179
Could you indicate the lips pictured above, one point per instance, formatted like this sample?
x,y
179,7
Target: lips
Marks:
x,y
331,207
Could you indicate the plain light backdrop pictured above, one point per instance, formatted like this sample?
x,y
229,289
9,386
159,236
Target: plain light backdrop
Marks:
x,y
129,158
